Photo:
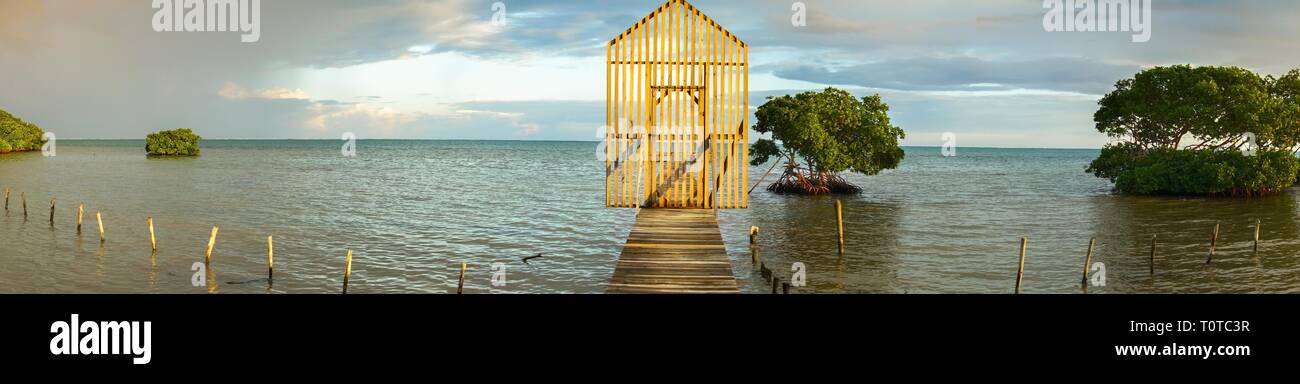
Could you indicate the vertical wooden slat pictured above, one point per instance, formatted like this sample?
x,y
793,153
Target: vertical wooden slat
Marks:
x,y
608,126
680,130
744,160
619,117
695,105
670,55
735,123
725,127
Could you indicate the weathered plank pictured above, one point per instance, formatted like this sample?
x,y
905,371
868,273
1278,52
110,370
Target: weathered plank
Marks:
x,y
674,251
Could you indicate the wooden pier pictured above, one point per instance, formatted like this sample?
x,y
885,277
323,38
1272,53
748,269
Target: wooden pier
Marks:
x,y
674,251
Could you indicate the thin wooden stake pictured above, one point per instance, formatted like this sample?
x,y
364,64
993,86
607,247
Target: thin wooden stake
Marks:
x,y
776,283
347,272
81,211
753,244
270,259
51,211
1020,273
1257,236
100,219
460,285
212,241
1214,241
153,242
1087,262
1152,261
24,196
6,199
785,288
839,217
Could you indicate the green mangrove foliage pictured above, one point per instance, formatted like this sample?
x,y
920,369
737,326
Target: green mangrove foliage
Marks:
x,y
176,142
17,135
1187,130
820,134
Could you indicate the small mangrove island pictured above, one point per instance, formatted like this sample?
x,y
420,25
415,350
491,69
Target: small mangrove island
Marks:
x,y
831,132
1183,130
17,135
176,142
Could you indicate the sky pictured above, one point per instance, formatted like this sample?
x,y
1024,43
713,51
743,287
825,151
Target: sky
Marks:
x,y
985,70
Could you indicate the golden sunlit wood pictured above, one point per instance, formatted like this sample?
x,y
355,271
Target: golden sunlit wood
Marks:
x,y
677,113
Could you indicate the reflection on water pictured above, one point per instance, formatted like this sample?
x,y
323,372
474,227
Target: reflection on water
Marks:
x,y
413,210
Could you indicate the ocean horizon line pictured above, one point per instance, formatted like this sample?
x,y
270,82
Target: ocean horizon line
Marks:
x,y
544,141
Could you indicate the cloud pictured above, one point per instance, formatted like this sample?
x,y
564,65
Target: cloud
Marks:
x,y
234,91
963,73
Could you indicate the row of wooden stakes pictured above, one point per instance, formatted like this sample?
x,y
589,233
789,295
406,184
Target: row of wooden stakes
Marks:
x,y
212,242
1151,260
766,273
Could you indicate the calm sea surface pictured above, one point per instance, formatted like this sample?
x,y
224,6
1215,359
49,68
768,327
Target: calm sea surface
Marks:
x,y
412,211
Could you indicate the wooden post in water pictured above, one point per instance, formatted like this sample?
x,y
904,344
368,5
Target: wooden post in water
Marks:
x,y
460,284
100,219
24,196
81,210
1256,236
212,241
776,282
1087,262
1152,261
839,216
785,288
753,244
51,211
1214,241
347,272
153,242
6,199
270,259
1020,273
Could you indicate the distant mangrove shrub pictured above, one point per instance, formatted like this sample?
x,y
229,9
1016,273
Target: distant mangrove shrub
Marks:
x,y
176,142
17,135
1186,130
1197,172
820,134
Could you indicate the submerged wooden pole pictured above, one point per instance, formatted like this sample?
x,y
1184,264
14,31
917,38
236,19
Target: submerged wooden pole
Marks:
x,y
347,272
212,241
81,210
839,217
1257,236
753,244
1152,261
6,199
51,211
1087,262
153,242
1214,241
24,196
270,259
100,219
460,284
1020,273
785,288
776,282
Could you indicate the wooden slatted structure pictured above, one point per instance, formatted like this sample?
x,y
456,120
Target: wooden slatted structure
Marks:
x,y
676,113
674,251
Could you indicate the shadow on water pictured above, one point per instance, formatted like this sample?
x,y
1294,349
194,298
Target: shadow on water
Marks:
x,y
1183,227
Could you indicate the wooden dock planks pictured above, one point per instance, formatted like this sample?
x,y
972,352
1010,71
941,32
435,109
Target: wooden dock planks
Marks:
x,y
674,251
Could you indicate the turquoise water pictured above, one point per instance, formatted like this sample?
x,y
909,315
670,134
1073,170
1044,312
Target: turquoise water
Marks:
x,y
412,211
